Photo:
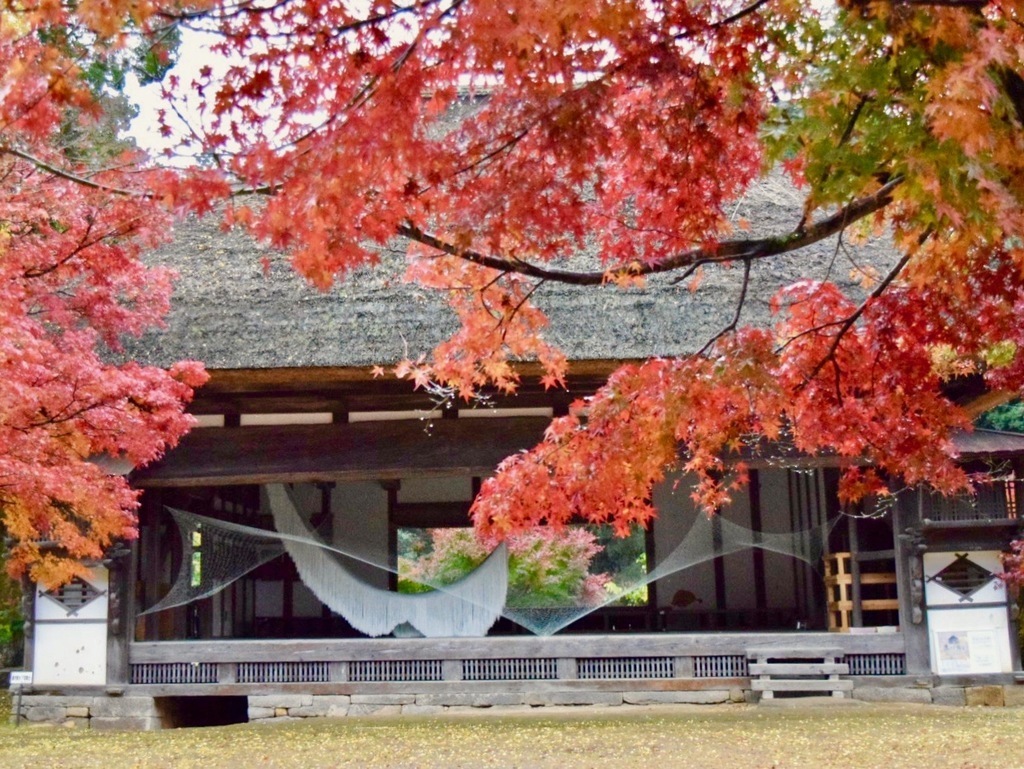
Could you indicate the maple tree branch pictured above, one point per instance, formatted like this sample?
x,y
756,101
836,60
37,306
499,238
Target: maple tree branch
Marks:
x,y
501,148
249,8
86,241
70,176
369,89
847,324
848,132
27,108
482,293
688,272
944,3
745,11
726,251
83,243
740,301
519,306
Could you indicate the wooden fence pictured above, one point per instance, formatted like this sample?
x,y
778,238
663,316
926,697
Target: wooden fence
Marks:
x,y
657,661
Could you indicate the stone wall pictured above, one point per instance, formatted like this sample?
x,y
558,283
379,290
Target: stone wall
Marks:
x,y
92,711
276,707
145,713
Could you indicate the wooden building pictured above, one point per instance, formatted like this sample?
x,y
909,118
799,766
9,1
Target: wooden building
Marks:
x,y
898,603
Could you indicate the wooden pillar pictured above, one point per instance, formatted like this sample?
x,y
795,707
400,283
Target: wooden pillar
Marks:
x,y
757,553
857,620
795,524
908,545
119,563
28,612
652,587
143,627
718,564
325,525
148,556
392,487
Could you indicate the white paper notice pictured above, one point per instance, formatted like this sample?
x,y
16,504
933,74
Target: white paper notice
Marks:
x,y
984,652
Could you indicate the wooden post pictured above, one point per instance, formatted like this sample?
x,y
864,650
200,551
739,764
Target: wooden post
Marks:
x,y
910,581
28,612
567,668
451,670
148,559
757,553
392,486
653,619
837,588
337,671
718,565
227,672
858,614
684,667
119,591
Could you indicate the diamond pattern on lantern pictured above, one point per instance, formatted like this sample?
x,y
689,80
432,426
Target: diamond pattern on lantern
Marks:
x,y
963,577
74,595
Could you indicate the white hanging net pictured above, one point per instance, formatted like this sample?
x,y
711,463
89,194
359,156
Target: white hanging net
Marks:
x,y
460,603
465,608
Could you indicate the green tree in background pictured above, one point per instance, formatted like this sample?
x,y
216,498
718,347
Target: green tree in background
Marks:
x,y
11,621
574,566
1008,417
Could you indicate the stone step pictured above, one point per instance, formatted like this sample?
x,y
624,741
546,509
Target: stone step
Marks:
x,y
799,669
800,685
794,653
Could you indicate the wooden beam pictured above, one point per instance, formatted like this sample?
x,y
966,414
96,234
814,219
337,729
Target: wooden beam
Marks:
x,y
430,515
341,452
331,377
498,647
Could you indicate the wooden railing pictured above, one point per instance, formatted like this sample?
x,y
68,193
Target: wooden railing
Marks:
x,y
367,665
993,501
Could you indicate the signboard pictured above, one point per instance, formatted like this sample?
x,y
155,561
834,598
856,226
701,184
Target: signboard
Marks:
x,y
21,678
969,641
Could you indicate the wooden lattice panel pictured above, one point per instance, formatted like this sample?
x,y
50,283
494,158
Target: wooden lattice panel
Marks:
x,y
510,669
882,664
364,671
174,673
282,672
625,667
720,666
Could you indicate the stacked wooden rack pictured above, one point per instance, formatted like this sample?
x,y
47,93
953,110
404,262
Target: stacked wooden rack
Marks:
x,y
852,592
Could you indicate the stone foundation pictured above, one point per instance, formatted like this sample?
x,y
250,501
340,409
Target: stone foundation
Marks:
x,y
276,707
92,712
144,713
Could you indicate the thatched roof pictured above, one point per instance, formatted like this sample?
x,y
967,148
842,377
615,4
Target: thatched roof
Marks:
x,y
229,314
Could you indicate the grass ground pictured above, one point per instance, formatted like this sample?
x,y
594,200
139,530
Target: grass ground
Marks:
x,y
718,737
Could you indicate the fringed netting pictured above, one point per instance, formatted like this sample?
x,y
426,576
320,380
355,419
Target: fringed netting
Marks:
x,y
707,539
465,608
229,551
